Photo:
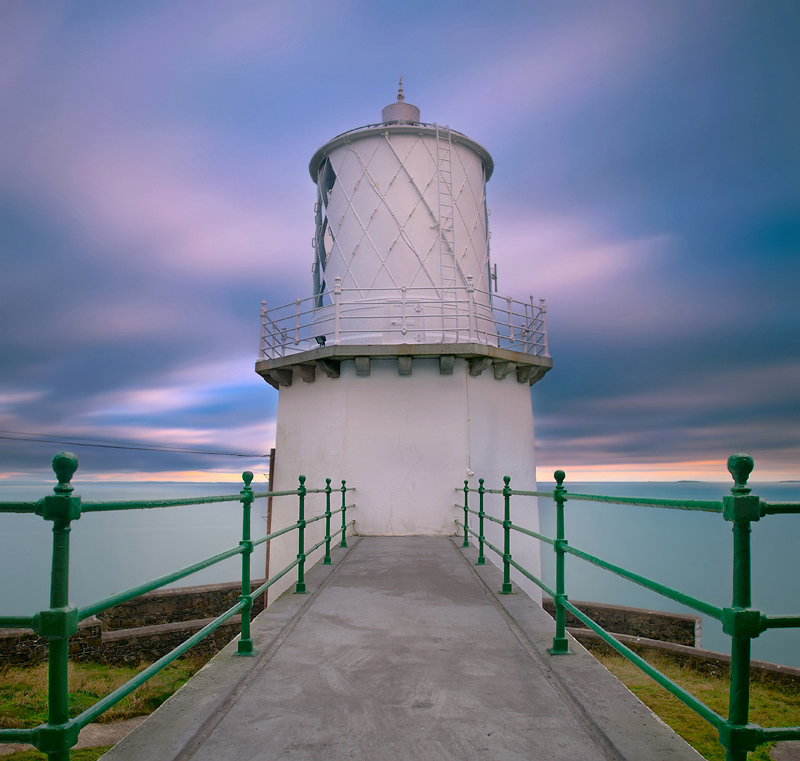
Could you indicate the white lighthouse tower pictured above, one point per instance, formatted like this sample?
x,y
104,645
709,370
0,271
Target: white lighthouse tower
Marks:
x,y
403,372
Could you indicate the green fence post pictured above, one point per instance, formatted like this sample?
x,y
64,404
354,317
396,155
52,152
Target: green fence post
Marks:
x,y
300,589
60,621
343,543
560,642
740,621
327,559
466,514
481,490
506,590
245,646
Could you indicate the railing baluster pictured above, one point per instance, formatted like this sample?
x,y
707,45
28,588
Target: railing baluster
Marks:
x,y
337,293
403,322
471,306
245,646
510,322
739,621
481,491
327,559
506,590
560,642
300,588
60,621
263,347
343,543
543,313
466,514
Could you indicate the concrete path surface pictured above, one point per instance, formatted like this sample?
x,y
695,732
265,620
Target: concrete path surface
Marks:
x,y
403,650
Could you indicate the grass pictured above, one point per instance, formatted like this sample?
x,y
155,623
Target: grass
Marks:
x,y
771,705
23,696
82,754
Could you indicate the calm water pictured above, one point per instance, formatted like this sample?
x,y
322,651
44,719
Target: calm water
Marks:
x,y
686,550
111,552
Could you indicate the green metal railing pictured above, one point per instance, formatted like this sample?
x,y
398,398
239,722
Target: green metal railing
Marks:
x,y
60,620
740,621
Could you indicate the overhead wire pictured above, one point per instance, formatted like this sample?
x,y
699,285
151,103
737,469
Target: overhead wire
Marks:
x,y
80,441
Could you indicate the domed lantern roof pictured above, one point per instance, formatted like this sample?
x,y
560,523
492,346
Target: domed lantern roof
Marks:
x,y
400,111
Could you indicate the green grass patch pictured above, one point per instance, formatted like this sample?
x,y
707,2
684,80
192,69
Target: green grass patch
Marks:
x,y
771,705
23,691
82,754
23,696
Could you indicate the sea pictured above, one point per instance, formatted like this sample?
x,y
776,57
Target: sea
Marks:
x,y
689,551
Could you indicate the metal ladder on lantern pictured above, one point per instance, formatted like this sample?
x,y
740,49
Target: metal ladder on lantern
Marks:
x,y
447,252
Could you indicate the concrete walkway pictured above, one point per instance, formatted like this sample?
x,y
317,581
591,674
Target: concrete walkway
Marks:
x,y
402,650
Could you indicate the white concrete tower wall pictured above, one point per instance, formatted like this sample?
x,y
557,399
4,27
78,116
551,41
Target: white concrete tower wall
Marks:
x,y
406,443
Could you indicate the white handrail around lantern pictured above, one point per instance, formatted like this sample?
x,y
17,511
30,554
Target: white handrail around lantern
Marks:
x,y
403,316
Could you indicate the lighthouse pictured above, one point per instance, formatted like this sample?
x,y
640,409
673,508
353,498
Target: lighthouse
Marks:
x,y
403,371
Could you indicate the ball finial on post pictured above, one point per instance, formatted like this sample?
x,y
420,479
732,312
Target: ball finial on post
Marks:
x,y
64,466
740,466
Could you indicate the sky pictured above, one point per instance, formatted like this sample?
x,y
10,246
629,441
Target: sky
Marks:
x,y
154,190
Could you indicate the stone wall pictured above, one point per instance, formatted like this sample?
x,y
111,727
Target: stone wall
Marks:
x,y
706,661
22,647
678,628
179,604
143,629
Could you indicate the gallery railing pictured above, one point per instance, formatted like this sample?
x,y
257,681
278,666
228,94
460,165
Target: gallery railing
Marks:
x,y
740,621
403,315
61,620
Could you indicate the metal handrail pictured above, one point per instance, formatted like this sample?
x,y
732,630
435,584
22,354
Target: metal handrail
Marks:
x,y
403,315
740,621
56,624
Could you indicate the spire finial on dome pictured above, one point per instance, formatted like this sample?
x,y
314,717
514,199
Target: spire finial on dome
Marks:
x,y
400,112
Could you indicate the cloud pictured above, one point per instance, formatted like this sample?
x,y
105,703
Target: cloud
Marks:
x,y
710,389
25,31
597,283
126,316
144,196
9,399
566,253
548,70
273,30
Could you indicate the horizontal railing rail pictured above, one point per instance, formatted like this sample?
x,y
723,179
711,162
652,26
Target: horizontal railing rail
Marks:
x,y
403,315
740,621
60,621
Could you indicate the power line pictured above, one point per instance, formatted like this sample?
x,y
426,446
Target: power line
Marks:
x,y
112,444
